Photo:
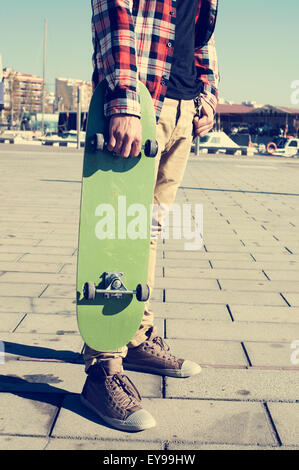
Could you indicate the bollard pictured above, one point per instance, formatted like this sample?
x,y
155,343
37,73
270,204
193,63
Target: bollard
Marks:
x,y
196,146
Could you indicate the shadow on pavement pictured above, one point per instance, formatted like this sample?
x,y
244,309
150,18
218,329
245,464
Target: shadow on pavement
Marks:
x,y
38,352
49,395
38,389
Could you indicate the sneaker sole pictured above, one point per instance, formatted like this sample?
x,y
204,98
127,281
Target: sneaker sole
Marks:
x,y
165,372
117,423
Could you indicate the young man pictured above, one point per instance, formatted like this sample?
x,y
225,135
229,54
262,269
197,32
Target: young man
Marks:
x,y
169,46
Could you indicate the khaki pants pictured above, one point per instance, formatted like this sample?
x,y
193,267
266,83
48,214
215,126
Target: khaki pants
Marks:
x,y
174,135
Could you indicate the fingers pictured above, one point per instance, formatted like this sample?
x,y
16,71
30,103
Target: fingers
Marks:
x,y
203,124
125,136
124,146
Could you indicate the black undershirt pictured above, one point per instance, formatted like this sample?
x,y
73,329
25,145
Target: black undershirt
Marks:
x,y
183,83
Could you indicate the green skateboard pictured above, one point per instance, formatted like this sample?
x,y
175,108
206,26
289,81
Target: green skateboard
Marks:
x,y
114,233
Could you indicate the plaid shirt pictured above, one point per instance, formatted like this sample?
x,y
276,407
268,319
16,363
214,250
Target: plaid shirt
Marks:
x,y
133,39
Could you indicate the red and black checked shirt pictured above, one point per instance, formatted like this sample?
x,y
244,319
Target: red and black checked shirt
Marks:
x,y
133,39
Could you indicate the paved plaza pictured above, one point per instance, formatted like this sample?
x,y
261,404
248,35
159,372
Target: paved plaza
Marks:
x,y
232,306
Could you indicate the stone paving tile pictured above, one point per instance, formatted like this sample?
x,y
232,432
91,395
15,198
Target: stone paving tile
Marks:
x,y
31,267
58,378
22,443
52,305
264,286
50,324
47,258
185,283
15,304
232,447
264,314
9,257
237,264
285,416
19,241
41,377
209,352
237,247
281,257
283,275
292,298
285,266
190,311
21,250
68,269
184,263
58,290
200,421
202,274
9,321
26,414
202,255
236,384
39,278
231,331
238,297
271,354
59,242
98,444
35,347
21,289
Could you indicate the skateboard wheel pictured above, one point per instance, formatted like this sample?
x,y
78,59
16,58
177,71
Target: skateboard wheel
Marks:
x,y
151,148
89,291
142,292
98,142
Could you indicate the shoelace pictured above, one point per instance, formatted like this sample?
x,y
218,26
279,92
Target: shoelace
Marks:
x,y
164,346
118,380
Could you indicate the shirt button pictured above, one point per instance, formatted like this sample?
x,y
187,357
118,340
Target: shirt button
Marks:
x,y
169,44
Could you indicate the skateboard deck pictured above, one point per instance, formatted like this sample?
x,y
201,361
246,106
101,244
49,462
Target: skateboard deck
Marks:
x,y
114,231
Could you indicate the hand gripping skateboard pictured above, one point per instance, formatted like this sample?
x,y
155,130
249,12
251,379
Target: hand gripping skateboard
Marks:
x,y
114,232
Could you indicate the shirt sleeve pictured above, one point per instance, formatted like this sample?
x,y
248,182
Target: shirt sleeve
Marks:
x,y
207,71
114,56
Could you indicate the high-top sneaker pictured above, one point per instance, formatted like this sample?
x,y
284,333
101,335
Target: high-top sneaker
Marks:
x,y
111,395
154,356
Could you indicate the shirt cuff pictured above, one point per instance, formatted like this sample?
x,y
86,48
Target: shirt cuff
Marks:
x,y
122,101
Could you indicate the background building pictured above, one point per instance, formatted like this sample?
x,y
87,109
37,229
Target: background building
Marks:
x,y
1,86
23,91
22,95
66,91
262,122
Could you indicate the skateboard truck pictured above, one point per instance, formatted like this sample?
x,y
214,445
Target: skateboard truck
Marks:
x,y
114,287
150,147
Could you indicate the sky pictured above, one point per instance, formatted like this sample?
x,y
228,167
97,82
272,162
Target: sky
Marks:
x,y
257,44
